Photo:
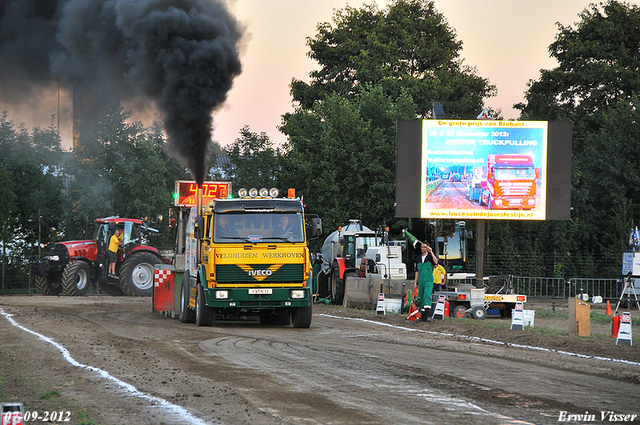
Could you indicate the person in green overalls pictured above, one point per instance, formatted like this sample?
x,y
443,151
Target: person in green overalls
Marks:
x,y
424,279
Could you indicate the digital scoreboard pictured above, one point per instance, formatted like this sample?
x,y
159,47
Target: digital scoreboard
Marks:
x,y
186,193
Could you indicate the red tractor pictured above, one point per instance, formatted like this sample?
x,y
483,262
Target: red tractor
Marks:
x,y
71,266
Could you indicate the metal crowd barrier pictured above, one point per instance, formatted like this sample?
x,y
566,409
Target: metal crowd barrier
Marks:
x,y
558,287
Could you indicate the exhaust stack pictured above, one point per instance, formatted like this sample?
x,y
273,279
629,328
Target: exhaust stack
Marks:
x,y
199,201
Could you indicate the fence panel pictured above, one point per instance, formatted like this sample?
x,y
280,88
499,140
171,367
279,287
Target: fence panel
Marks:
x,y
552,287
606,288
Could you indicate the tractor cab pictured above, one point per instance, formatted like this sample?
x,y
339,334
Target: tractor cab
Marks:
x,y
132,234
354,247
132,237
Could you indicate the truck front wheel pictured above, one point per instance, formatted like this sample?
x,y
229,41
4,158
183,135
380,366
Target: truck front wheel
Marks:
x,y
75,278
136,274
48,287
205,315
301,316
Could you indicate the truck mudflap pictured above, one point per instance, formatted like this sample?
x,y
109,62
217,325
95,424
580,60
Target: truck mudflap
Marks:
x,y
258,297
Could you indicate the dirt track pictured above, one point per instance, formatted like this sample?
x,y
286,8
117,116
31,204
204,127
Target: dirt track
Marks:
x,y
350,367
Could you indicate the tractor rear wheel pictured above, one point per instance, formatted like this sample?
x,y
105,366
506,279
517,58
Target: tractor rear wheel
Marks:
x,y
337,285
324,288
76,278
47,287
136,274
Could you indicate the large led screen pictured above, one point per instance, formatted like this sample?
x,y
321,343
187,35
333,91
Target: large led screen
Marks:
x,y
480,169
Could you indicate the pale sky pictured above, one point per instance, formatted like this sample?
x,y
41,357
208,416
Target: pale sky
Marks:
x,y
506,40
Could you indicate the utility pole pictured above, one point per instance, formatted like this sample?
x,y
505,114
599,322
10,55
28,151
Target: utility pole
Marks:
x,y
479,253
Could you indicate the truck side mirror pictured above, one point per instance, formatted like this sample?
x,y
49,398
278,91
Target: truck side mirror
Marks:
x,y
198,229
316,227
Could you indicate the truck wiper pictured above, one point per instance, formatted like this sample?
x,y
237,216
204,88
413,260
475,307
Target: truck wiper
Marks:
x,y
238,238
282,238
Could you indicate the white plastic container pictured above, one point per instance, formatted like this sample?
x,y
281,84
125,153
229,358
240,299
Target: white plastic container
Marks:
x,y
392,305
477,297
529,317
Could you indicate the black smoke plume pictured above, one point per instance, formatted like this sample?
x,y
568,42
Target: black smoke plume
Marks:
x,y
179,55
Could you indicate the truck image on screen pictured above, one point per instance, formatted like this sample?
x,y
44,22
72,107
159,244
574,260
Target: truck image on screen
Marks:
x,y
509,183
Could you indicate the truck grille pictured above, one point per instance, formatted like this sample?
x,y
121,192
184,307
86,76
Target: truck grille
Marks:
x,y
510,189
259,273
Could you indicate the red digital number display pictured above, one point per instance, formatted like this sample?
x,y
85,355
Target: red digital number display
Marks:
x,y
187,192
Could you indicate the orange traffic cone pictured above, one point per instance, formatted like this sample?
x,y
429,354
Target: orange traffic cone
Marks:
x,y
414,313
609,309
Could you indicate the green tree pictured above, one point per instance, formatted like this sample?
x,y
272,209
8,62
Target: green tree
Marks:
x,y
119,168
31,187
253,161
7,206
341,156
407,47
376,66
596,86
597,67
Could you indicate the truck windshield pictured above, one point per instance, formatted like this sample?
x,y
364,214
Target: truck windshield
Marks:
x,y
515,173
258,227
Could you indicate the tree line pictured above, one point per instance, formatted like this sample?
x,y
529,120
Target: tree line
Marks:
x,y
375,66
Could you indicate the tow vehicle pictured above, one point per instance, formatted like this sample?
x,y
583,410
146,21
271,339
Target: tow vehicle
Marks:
x,y
248,256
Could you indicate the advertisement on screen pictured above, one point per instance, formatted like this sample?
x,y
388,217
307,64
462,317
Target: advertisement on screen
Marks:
x,y
482,169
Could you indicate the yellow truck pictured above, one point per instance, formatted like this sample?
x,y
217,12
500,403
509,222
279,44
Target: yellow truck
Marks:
x,y
248,256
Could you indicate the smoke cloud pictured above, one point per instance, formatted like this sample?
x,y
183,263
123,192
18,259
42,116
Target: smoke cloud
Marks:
x,y
179,55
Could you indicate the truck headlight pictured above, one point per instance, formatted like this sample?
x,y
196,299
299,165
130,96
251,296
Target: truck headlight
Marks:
x,y
298,294
222,295
54,258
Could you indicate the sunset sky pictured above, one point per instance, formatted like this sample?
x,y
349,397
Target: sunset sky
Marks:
x,y
506,40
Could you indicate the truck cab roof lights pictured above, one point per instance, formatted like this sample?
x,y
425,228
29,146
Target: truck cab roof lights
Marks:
x,y
263,193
